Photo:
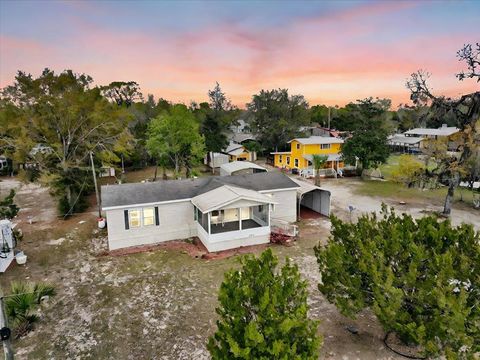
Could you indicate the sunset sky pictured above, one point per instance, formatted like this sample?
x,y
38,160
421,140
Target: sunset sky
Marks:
x,y
331,52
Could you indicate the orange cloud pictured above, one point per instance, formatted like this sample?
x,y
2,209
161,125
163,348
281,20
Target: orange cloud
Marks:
x,y
329,59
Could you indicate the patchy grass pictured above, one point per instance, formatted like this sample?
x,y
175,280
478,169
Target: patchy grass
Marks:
x,y
389,166
392,163
399,192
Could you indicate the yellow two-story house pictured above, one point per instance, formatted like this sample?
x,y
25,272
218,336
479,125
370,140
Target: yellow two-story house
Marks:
x,y
302,151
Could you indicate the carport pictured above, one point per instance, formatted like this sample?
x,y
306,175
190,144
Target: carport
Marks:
x,y
312,198
240,168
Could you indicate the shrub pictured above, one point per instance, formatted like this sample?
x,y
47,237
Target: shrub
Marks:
x,y
263,313
22,301
419,277
8,209
408,171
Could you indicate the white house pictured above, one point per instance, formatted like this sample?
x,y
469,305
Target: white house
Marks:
x,y
224,212
443,132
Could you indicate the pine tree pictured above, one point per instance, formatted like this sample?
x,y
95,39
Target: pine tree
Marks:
x,y
420,277
263,313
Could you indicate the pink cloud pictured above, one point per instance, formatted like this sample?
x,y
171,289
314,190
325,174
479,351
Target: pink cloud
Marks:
x,y
325,58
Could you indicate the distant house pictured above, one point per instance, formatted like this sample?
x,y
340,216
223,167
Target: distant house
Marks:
x,y
415,139
405,144
240,126
237,152
240,132
443,131
319,131
224,212
302,151
240,167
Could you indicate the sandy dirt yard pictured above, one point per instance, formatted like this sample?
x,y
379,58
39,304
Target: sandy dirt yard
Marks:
x,y
345,192
158,304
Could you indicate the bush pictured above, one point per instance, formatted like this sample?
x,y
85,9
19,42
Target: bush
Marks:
x,y
419,277
24,298
408,171
8,209
263,313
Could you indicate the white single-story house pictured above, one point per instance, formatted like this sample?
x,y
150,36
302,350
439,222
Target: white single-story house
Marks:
x,y
240,167
443,132
224,212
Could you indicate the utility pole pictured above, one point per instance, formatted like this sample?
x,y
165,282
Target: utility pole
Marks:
x,y
7,345
96,186
329,118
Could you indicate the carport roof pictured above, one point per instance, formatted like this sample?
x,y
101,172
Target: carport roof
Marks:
x,y
222,196
128,195
240,165
305,187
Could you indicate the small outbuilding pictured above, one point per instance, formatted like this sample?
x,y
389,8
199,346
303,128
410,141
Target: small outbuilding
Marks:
x,y
215,159
240,168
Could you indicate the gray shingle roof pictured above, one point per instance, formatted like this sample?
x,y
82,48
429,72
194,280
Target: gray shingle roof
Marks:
x,y
160,191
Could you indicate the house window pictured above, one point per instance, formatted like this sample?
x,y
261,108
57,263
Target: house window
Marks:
x,y
288,160
296,162
298,146
148,216
134,218
324,146
280,158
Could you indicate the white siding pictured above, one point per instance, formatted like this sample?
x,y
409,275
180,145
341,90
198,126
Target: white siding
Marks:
x,y
234,239
176,222
286,207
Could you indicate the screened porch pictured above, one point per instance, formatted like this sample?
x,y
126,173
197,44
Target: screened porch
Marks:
x,y
233,219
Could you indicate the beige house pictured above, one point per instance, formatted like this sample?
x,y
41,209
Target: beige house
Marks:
x,y
223,212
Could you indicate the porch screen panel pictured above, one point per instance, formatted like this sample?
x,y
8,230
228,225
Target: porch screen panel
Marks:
x,y
260,214
203,220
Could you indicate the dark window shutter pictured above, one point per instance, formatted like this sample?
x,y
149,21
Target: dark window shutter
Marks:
x,y
125,213
157,219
